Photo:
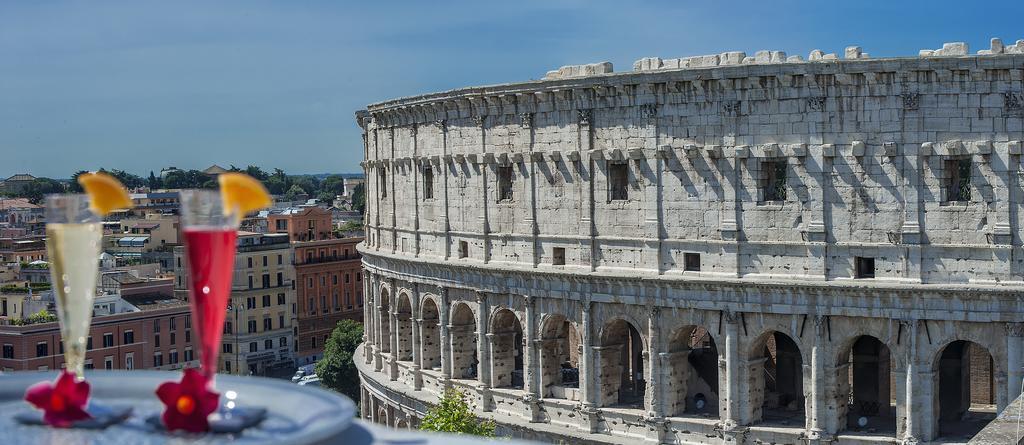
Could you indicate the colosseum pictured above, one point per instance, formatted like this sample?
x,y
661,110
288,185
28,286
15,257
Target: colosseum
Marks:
x,y
715,249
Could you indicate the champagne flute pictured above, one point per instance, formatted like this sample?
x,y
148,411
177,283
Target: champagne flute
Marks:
x,y
73,235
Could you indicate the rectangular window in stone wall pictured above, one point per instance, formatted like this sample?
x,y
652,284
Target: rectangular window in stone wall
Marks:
x,y
558,256
864,267
957,187
772,186
504,183
428,182
618,181
382,183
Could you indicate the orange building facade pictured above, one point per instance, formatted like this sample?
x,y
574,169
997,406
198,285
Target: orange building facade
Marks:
x,y
328,288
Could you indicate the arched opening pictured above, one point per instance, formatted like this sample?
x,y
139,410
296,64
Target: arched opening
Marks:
x,y
620,366
385,321
404,327
382,416
777,380
463,336
966,393
430,336
692,373
560,359
866,399
506,350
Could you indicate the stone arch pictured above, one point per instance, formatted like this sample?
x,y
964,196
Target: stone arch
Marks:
x,y
506,335
430,337
401,424
620,362
382,416
385,320
403,317
775,376
462,330
691,372
559,358
865,386
964,391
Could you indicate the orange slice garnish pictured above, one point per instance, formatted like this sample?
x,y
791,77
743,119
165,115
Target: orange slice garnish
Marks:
x,y
106,193
242,193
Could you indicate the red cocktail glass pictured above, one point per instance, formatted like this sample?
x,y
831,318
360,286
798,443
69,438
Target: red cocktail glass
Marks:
x,y
210,234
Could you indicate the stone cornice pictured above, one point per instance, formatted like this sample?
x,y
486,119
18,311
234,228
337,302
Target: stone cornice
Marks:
x,y
843,297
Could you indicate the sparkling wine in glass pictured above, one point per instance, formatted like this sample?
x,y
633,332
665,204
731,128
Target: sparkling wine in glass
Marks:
x,y
73,234
210,234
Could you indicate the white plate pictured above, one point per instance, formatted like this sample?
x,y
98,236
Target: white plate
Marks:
x,y
297,414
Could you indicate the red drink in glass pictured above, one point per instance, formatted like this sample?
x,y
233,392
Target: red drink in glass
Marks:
x,y
210,252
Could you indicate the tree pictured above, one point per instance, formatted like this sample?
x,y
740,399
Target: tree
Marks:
x,y
256,172
359,198
294,192
154,181
74,186
40,187
333,184
325,197
452,415
337,370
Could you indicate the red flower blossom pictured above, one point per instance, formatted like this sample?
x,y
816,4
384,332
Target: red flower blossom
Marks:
x,y
188,403
63,402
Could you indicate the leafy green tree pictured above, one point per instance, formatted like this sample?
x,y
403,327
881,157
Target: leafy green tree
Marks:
x,y
294,192
359,198
452,415
256,172
153,182
40,187
74,186
325,197
333,184
337,370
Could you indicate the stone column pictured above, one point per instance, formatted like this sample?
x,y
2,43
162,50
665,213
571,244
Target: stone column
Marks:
x,y
588,389
378,323
1014,359
531,365
586,177
392,196
369,326
485,227
417,337
729,381
918,402
818,413
446,344
530,221
417,171
657,426
910,233
393,356
483,349
446,163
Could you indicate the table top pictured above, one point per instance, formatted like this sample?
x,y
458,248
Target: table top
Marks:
x,y
296,414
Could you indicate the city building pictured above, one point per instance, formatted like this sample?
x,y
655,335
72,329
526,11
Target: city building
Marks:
x,y
153,334
149,239
16,184
305,223
351,183
329,288
23,249
714,249
259,330
19,213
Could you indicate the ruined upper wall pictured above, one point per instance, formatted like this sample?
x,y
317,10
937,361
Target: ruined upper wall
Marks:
x,y
506,98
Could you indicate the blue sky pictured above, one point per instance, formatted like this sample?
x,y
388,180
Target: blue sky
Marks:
x,y
138,85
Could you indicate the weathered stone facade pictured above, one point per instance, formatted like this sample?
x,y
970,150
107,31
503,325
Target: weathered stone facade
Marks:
x,y
722,249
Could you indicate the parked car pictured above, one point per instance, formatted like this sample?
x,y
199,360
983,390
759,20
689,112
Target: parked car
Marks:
x,y
302,372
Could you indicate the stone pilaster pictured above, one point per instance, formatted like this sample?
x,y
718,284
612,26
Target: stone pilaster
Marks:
x,y
446,343
729,375
378,321
369,327
446,175
817,419
483,349
917,405
485,226
657,427
393,355
586,176
910,233
1014,359
531,365
589,415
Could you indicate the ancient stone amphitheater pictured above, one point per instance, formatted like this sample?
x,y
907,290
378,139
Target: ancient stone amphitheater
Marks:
x,y
714,249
